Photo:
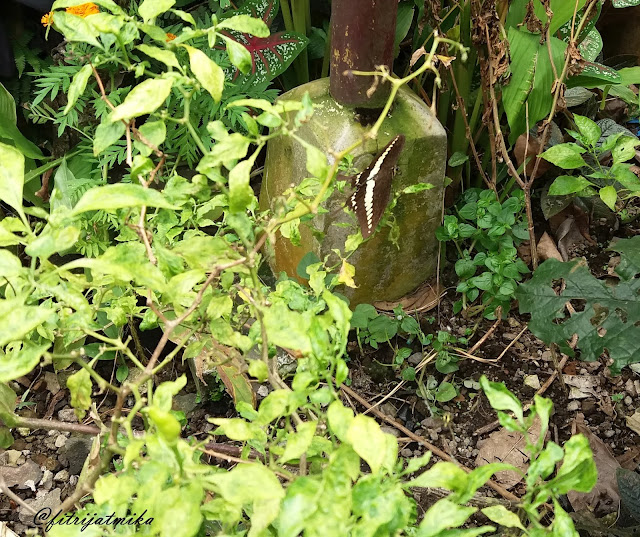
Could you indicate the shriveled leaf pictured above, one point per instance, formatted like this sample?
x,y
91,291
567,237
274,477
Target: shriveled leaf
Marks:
x,y
79,385
235,379
629,487
506,446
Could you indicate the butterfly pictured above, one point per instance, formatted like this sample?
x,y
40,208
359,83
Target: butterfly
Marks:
x,y
372,187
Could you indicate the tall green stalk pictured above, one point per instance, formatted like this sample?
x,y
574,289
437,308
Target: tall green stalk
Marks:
x,y
297,18
463,73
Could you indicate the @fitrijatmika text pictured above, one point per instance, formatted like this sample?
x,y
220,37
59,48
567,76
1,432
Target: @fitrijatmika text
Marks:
x,y
46,518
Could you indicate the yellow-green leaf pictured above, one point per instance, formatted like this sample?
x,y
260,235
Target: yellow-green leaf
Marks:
x,y
145,98
208,73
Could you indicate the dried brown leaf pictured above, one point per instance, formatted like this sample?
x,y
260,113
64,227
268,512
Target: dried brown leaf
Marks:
x,y
505,446
633,422
547,248
424,298
603,498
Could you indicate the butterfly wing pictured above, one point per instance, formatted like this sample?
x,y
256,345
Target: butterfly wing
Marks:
x,y
373,187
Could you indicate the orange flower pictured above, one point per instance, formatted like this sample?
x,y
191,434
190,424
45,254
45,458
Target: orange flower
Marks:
x,y
171,37
47,19
84,10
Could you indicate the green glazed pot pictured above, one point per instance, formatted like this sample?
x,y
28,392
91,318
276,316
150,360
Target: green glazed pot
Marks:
x,y
384,272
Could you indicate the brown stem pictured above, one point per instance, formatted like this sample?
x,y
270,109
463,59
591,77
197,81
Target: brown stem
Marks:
x,y
53,425
469,135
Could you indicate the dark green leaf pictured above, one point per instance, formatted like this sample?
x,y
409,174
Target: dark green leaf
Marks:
x,y
610,318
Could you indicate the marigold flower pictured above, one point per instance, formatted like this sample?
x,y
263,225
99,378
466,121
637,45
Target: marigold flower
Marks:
x,y
47,19
170,36
84,10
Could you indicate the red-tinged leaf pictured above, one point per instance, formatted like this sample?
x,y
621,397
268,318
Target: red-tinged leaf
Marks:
x,y
270,56
237,383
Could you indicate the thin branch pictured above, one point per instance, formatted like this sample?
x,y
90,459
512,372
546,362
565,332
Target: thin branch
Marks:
x,y
420,439
469,135
53,425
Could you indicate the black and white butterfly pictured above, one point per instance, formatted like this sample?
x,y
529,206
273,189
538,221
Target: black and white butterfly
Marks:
x,y
372,187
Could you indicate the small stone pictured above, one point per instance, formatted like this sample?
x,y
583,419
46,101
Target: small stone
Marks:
x,y
134,375
24,476
407,453
186,403
51,380
610,433
73,480
47,480
263,391
432,424
628,400
389,410
61,476
50,500
546,356
532,381
573,406
509,336
6,532
76,451
390,430
48,463
61,440
415,358
433,436
588,407
68,415
10,457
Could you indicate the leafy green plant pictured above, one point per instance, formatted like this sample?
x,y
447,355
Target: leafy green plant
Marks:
x,y
577,470
182,255
374,328
613,183
607,315
485,233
